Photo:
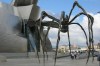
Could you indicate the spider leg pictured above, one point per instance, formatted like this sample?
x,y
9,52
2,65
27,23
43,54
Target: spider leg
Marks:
x,y
83,31
43,15
69,41
58,39
85,37
42,44
80,7
40,30
82,13
90,24
76,4
43,38
46,37
51,17
91,38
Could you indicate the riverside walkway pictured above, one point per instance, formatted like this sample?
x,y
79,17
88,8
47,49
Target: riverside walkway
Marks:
x,y
60,62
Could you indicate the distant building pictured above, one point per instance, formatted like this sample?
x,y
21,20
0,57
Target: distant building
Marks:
x,y
63,49
98,46
74,46
83,49
95,46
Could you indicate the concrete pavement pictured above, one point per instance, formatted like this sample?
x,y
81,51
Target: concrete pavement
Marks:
x,y
50,62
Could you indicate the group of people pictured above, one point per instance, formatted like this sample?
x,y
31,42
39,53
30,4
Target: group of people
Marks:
x,y
74,55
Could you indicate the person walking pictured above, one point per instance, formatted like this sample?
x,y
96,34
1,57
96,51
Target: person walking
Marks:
x,y
72,55
75,54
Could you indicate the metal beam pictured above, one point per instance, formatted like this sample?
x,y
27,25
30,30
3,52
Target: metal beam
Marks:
x,y
51,24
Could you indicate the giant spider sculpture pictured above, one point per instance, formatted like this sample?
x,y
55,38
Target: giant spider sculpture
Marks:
x,y
63,25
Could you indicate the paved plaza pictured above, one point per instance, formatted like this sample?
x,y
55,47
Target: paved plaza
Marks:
x,y
60,62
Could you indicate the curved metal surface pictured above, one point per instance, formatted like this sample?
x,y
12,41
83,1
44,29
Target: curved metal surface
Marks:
x,y
10,27
11,39
24,2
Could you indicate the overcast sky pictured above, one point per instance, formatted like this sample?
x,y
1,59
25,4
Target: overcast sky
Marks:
x,y
54,7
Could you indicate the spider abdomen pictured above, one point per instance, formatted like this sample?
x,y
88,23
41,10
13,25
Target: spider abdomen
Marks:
x,y
64,28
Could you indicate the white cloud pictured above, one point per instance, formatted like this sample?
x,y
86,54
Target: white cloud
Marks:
x,y
96,26
47,19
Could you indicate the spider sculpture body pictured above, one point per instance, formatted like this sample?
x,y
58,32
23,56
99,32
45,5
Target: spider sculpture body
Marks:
x,y
63,25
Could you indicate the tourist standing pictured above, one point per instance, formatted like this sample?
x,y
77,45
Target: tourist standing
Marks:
x,y
75,54
72,55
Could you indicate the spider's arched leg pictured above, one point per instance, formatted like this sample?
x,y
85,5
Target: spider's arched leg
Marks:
x,y
76,4
84,33
86,39
90,18
40,30
90,24
42,39
45,39
51,17
58,39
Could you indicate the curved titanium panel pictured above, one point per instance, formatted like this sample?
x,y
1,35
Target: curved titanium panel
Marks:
x,y
24,2
10,27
